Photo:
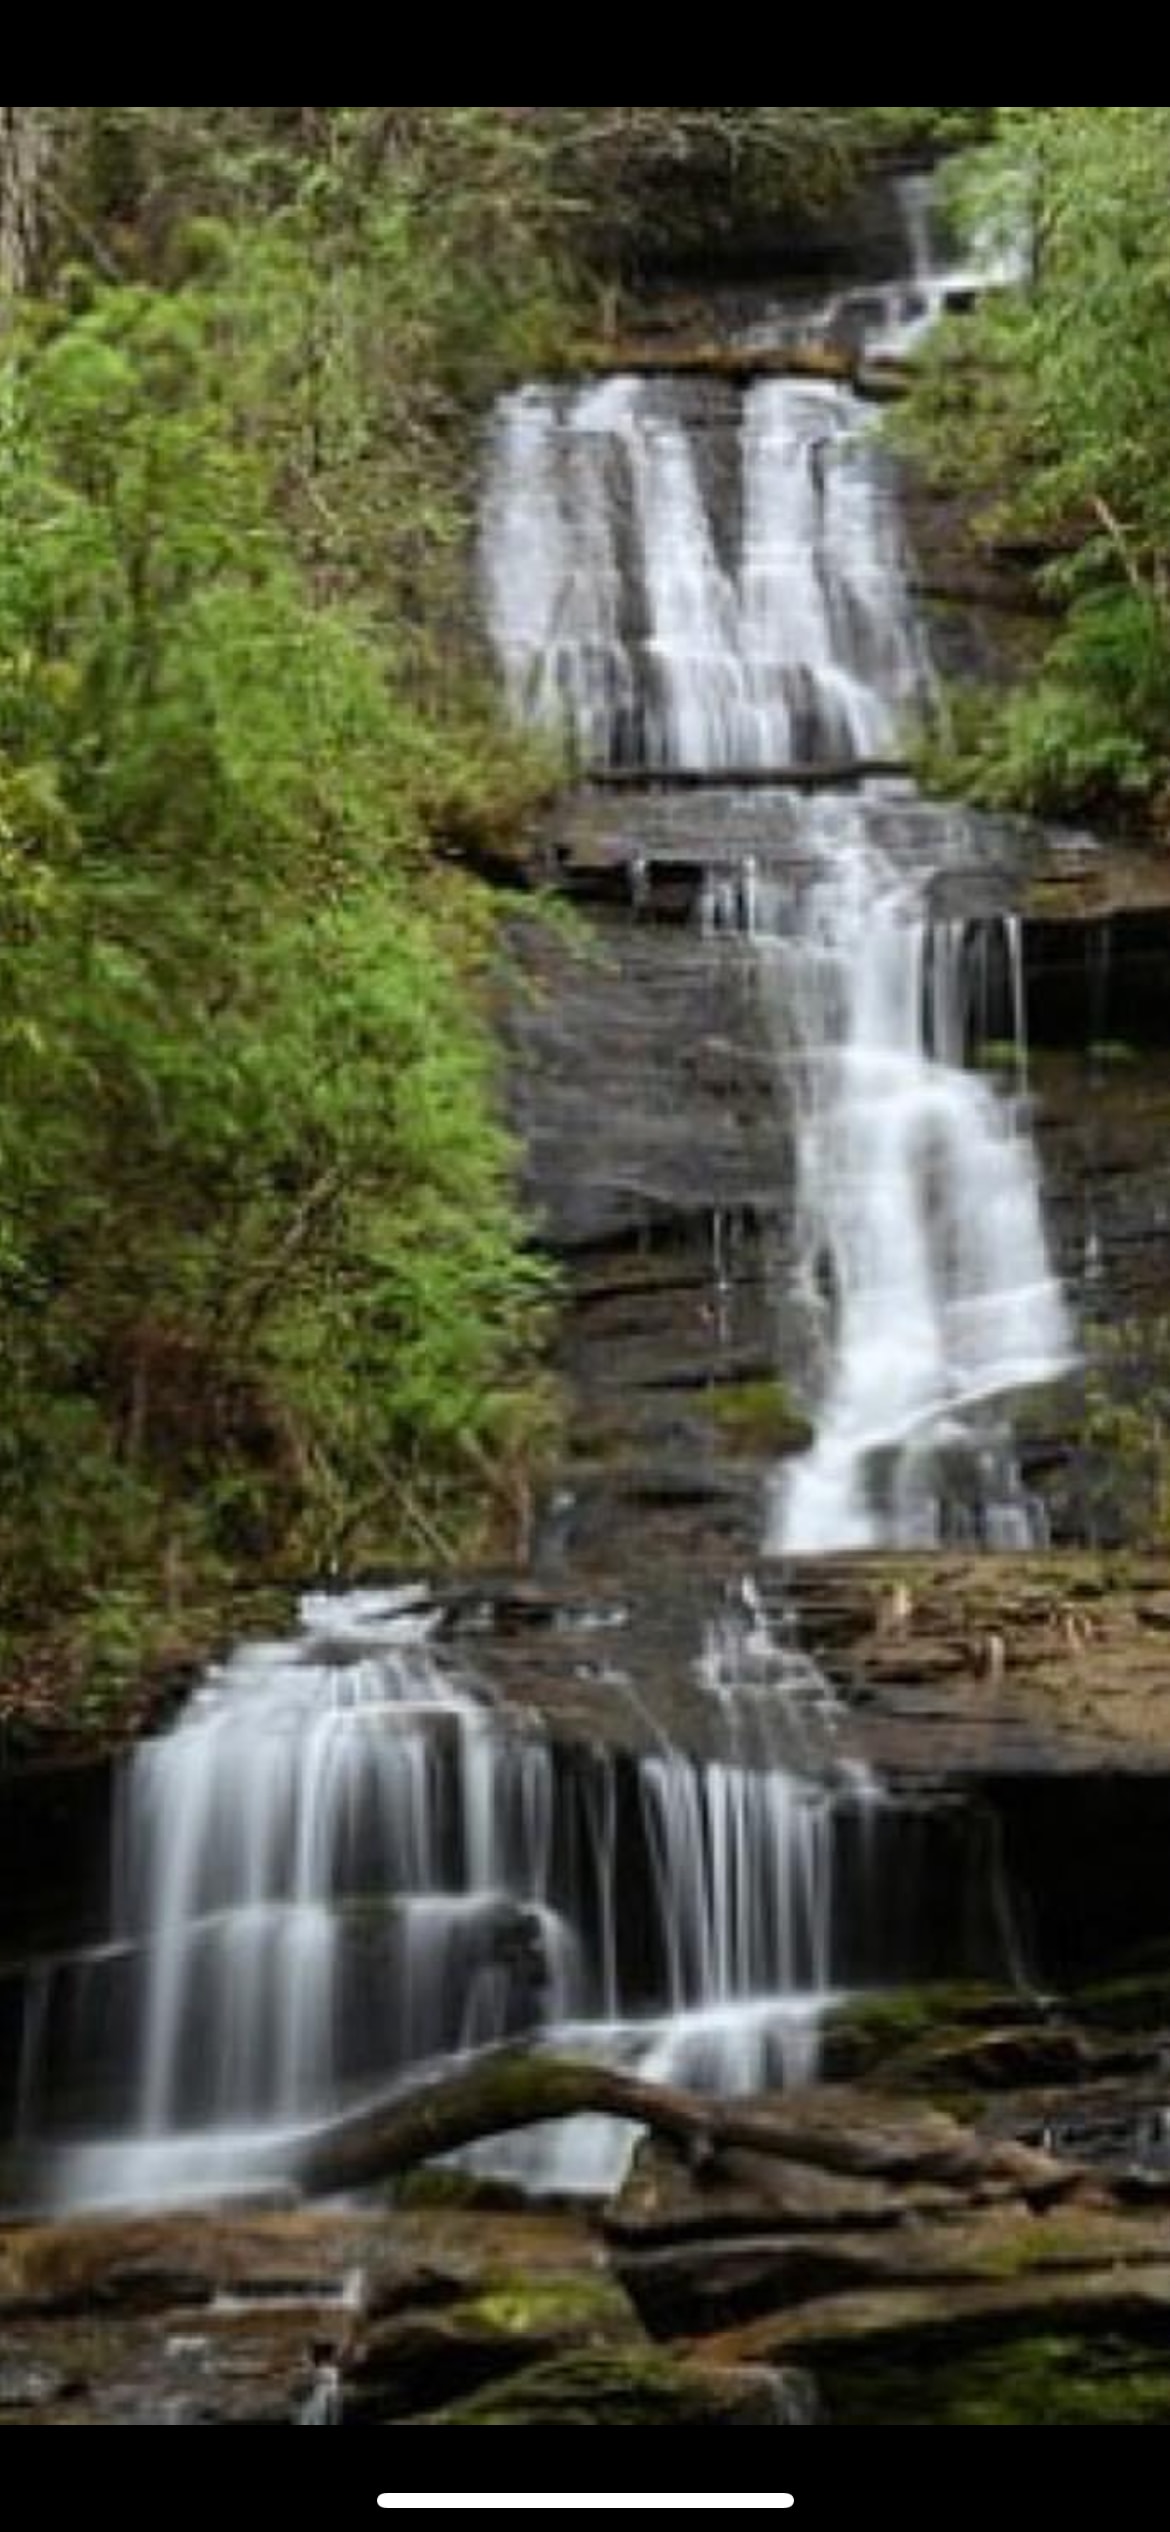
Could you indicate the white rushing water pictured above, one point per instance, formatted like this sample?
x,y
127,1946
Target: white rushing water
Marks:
x,y
716,594
344,1866
941,272
937,281
927,1287
621,616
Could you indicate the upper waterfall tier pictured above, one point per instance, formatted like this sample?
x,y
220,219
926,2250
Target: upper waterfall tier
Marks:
x,y
682,581
889,319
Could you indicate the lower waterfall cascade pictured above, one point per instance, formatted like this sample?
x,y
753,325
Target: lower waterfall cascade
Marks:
x,y
349,1861
343,1866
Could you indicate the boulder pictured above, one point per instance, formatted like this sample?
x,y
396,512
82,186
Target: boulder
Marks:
x,y
642,2390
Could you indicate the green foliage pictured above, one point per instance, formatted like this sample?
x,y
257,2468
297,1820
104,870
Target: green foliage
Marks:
x,y
1098,2380
930,127
759,1416
1127,1415
1048,406
639,181
265,1292
1051,745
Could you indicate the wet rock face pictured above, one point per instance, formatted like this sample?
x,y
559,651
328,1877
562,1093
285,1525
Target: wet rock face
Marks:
x,y
642,1090
1098,979
181,2323
659,1139
30,2388
861,241
648,1111
52,1883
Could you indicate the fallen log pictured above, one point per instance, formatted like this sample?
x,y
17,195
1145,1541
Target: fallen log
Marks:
x,y
727,364
742,367
510,2090
499,2096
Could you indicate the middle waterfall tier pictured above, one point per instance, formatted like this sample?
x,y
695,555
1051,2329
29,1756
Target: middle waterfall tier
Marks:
x,y
923,1277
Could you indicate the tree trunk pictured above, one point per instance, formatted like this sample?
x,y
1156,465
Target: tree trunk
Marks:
x,y
24,144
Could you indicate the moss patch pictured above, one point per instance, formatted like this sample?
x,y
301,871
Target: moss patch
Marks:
x,y
1039,2382
874,2032
589,2311
624,2391
440,2192
999,1055
1126,2005
759,1418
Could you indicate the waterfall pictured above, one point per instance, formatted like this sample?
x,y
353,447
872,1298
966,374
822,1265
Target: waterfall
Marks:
x,y
620,617
927,1287
344,1865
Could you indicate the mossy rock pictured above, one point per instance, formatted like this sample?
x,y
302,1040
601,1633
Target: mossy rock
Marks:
x,y
1137,2000
886,2034
637,2390
417,2362
414,2361
437,2191
758,1419
1037,2382
584,2311
1000,1056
